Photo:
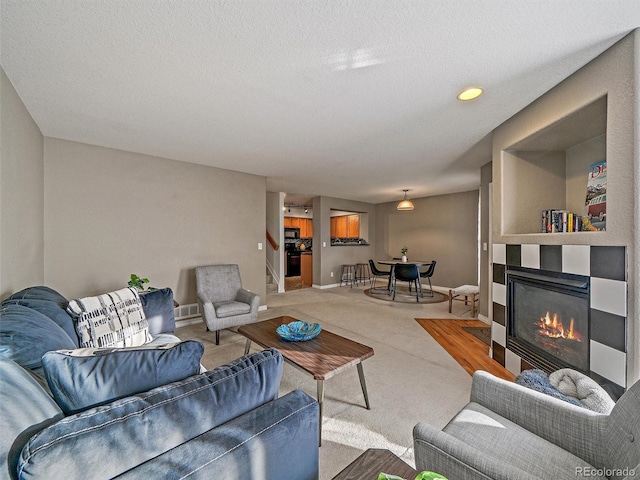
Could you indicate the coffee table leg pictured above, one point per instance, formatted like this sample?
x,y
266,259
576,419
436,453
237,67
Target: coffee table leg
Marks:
x,y
320,402
363,384
247,346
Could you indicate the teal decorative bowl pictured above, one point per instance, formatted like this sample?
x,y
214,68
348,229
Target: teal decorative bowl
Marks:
x,y
298,331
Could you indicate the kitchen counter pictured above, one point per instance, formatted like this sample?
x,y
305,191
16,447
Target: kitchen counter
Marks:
x,y
350,244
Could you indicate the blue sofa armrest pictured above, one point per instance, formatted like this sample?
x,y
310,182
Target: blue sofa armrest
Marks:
x,y
276,440
106,441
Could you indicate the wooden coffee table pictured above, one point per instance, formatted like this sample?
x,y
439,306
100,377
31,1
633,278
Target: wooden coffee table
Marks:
x,y
323,356
372,462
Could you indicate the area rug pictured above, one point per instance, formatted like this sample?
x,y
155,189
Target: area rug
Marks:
x,y
483,333
403,296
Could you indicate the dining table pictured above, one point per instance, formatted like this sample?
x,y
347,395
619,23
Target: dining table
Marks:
x,y
393,263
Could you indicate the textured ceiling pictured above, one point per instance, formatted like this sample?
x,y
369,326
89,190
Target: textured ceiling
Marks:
x,y
352,99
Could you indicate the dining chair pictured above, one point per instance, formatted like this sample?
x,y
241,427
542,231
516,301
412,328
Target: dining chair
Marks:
x,y
428,273
376,272
407,272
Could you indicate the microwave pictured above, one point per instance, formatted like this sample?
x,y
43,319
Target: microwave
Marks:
x,y
291,233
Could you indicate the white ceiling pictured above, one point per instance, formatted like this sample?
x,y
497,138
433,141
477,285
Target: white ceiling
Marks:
x,y
352,99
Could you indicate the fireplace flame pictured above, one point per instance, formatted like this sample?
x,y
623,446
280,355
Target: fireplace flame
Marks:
x,y
551,327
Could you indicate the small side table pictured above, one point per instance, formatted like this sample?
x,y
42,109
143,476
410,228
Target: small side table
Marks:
x,y
375,460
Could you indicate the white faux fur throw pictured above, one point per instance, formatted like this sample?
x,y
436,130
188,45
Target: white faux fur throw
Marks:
x,y
578,385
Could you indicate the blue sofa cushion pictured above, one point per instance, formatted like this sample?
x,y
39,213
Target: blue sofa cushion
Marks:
x,y
40,293
26,335
278,440
25,408
114,319
158,308
159,420
86,377
51,309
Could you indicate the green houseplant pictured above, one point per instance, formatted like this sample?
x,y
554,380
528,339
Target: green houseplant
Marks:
x,y
138,282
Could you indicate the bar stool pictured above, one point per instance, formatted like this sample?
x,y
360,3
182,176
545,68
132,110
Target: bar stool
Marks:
x,y
347,274
362,273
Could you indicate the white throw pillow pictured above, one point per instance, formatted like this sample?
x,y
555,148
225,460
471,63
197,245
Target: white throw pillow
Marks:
x,y
114,319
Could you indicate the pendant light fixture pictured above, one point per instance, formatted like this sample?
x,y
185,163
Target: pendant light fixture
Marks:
x,y
405,204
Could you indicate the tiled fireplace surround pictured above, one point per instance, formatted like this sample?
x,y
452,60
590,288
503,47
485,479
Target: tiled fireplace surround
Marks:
x,y
607,268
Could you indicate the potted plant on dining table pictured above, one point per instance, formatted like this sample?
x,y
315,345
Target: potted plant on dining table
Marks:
x,y
404,254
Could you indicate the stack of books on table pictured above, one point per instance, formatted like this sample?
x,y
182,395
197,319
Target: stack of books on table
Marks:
x,y
558,221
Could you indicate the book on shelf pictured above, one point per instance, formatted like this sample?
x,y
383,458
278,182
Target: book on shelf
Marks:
x,y
595,208
561,221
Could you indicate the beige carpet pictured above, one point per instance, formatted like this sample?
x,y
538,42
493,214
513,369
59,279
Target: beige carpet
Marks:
x,y
410,378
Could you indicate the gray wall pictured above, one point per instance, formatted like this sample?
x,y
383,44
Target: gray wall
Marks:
x,y
275,202
485,181
110,213
615,74
442,228
21,194
328,259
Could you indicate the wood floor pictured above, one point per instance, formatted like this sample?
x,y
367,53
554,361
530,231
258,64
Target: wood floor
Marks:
x,y
293,283
470,352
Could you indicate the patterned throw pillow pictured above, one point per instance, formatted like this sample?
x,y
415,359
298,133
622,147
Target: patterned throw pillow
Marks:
x,y
114,319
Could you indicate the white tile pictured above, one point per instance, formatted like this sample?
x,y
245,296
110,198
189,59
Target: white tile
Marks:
x,y
609,362
530,256
500,293
499,334
609,295
576,259
513,362
499,253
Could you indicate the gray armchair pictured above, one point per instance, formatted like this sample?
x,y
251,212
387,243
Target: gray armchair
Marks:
x,y
223,302
510,432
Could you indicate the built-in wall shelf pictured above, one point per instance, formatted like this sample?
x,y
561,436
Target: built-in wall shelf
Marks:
x,y
549,168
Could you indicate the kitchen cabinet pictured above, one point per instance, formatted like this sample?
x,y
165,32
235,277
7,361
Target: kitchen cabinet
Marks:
x,y
341,226
304,224
306,228
345,226
306,268
353,226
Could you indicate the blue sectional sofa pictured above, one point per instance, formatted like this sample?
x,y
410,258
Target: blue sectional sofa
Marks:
x,y
223,423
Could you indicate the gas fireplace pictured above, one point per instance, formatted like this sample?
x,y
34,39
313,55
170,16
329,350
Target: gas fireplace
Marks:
x,y
548,318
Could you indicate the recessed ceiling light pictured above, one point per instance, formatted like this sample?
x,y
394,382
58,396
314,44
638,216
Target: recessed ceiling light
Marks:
x,y
470,93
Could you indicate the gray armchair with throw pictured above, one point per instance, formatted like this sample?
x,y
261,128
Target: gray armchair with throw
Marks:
x,y
223,302
510,432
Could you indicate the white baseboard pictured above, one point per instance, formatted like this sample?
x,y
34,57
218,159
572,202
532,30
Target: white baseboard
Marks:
x,y
324,287
188,321
186,311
